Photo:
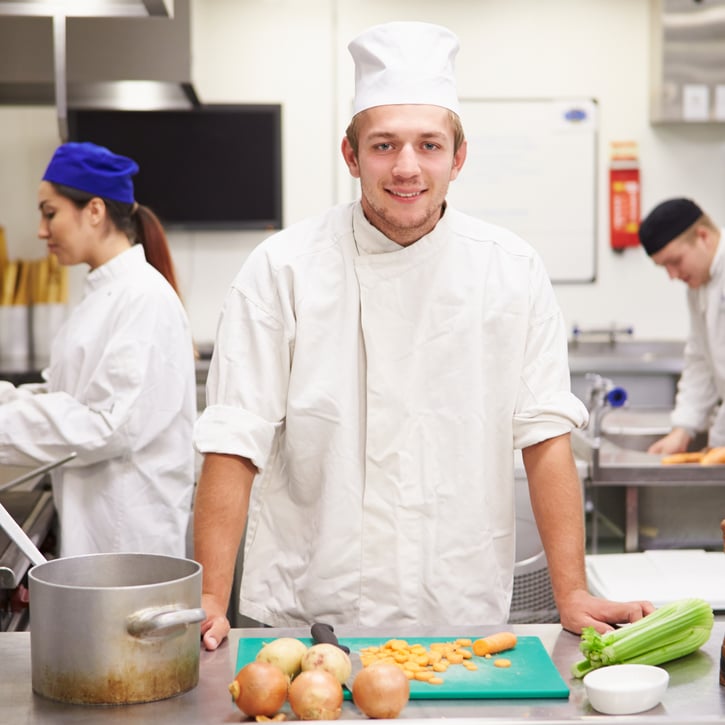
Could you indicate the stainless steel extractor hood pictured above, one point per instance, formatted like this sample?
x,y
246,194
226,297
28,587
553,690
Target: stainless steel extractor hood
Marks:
x,y
120,54
687,68
88,8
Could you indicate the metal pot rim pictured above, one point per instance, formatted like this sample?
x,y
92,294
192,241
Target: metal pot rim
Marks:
x,y
36,573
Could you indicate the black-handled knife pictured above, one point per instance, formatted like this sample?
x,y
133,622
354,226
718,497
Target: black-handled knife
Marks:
x,y
324,633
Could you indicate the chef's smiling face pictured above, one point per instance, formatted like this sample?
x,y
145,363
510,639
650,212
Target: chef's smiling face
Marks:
x,y
405,162
64,227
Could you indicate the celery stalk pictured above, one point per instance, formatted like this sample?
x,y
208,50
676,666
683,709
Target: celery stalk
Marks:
x,y
581,668
664,625
674,630
692,641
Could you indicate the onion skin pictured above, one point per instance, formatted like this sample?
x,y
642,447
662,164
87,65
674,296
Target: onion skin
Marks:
x,y
381,690
316,695
327,657
259,688
284,652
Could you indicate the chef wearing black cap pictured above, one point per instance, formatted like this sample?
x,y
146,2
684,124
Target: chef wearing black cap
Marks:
x,y
678,236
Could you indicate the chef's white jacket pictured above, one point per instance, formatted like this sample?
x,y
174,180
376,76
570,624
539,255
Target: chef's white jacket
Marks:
x,y
381,390
702,384
121,393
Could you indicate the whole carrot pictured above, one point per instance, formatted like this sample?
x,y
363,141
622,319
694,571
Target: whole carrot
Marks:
x,y
494,643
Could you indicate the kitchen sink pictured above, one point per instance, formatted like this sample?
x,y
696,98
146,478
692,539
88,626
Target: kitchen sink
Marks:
x,y
635,429
631,441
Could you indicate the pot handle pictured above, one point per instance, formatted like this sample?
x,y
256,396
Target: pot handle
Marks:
x,y
157,622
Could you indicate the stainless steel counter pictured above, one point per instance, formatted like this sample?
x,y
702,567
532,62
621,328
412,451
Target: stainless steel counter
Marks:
x,y
30,503
694,695
609,464
614,465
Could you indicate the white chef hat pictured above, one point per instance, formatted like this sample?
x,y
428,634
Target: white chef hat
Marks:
x,y
405,63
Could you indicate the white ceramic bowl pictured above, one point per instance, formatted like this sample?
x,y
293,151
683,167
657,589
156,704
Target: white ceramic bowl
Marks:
x,y
626,689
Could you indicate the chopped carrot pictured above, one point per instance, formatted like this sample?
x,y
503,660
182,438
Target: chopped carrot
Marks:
x,y
423,664
502,662
424,676
494,643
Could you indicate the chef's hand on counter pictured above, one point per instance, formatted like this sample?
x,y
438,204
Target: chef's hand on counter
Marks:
x,y
220,514
676,441
580,609
216,626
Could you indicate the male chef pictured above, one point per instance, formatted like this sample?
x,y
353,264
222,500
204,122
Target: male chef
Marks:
x,y
680,237
374,370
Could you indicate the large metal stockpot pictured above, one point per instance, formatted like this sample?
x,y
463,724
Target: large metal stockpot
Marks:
x,y
115,628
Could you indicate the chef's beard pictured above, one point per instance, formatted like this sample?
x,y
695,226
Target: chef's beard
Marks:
x,y
407,230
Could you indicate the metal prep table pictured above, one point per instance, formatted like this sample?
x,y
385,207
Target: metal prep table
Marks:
x,y
694,695
26,496
31,505
612,465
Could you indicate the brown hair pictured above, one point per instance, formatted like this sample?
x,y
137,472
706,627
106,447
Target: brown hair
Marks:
x,y
353,131
138,223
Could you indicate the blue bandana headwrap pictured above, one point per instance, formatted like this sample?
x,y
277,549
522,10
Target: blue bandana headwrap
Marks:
x,y
93,169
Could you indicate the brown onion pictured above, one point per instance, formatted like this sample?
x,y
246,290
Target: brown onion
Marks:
x,y
259,688
381,690
316,695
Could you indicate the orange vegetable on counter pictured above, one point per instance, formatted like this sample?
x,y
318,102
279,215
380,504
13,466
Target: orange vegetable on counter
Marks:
x,y
714,456
687,457
706,457
494,643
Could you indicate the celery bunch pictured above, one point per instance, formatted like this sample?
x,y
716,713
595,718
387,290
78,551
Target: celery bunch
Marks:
x,y
674,630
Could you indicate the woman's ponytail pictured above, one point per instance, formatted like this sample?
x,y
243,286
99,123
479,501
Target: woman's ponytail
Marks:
x,y
150,233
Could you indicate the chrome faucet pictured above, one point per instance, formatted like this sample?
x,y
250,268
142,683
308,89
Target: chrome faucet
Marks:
x,y
603,396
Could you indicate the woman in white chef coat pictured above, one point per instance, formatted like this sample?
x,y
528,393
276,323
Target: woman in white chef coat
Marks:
x,y
120,387
374,369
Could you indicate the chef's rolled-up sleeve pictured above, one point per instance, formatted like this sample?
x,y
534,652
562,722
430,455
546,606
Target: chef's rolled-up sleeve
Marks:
x,y
249,371
230,430
545,407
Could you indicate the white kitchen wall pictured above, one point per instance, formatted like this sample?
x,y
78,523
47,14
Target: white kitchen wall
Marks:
x,y
294,52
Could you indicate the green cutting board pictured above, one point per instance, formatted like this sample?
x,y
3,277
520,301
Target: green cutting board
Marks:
x,y
532,673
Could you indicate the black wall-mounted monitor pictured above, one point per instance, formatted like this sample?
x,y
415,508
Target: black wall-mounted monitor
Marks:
x,y
212,167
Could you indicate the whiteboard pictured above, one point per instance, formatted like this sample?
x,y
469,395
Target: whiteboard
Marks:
x,y
532,168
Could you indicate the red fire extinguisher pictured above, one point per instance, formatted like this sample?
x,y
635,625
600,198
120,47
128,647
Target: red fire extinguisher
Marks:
x,y
624,195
